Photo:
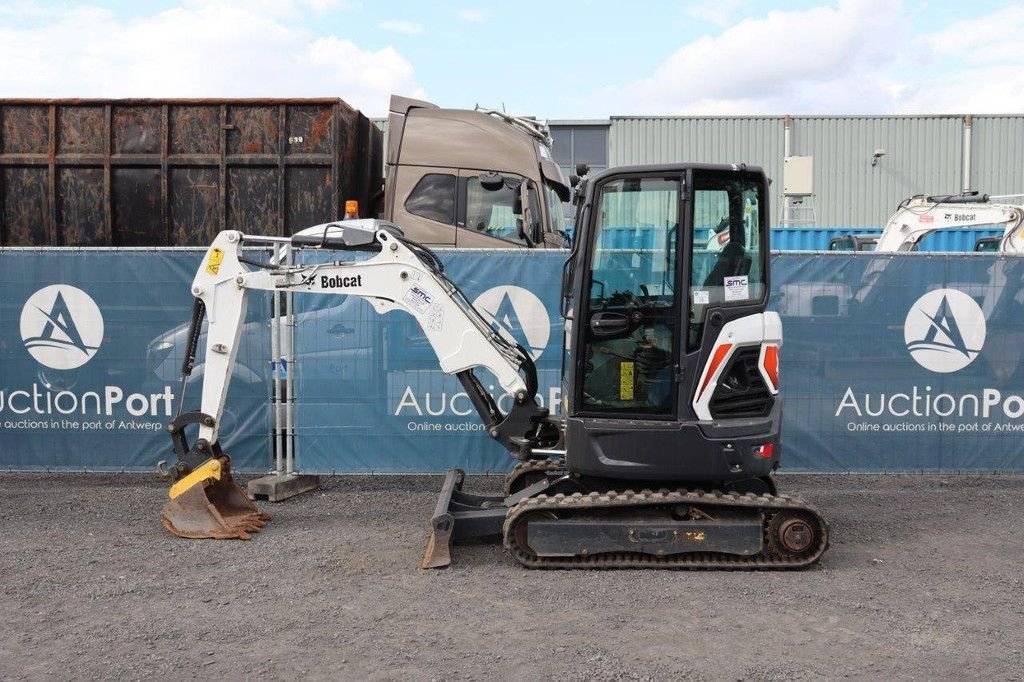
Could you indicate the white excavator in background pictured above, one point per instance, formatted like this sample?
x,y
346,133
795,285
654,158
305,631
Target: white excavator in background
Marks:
x,y
920,216
913,221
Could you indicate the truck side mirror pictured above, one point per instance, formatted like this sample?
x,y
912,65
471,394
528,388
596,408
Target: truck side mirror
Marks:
x,y
491,181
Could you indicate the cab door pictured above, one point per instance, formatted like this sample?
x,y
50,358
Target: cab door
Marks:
x,y
629,331
497,217
655,293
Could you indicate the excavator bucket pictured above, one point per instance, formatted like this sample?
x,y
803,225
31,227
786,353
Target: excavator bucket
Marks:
x,y
207,503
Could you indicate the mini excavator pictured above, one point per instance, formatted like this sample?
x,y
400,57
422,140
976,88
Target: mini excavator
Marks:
x,y
669,433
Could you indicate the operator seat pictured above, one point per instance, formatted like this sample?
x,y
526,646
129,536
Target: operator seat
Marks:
x,y
732,261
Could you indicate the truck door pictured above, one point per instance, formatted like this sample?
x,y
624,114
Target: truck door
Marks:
x,y
424,204
488,216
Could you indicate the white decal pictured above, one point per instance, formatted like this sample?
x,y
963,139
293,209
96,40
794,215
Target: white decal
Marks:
x,y
944,330
435,319
61,326
737,288
418,299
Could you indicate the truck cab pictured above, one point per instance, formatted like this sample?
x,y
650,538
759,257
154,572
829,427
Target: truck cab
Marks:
x,y
472,179
988,244
853,242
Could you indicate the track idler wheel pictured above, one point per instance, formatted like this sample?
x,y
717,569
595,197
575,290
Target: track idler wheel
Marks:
x,y
207,503
793,535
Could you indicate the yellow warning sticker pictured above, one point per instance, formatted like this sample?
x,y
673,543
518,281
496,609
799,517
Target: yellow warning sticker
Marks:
x,y
216,258
626,381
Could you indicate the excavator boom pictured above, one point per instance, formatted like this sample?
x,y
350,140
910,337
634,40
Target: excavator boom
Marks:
x,y
205,502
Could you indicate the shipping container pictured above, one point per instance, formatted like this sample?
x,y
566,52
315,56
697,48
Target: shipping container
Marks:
x,y
818,238
159,172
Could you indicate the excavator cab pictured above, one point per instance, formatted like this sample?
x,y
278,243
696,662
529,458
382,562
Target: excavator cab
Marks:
x,y
670,342
853,242
988,244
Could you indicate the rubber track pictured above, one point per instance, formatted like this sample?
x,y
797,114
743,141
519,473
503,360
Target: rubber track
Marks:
x,y
626,498
529,466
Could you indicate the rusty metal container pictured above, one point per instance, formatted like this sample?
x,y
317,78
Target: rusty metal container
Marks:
x,y
174,172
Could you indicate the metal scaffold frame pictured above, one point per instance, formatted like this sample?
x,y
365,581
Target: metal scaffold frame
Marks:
x,y
285,480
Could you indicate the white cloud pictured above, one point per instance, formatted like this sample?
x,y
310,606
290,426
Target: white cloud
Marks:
x,y
993,37
784,62
974,66
408,28
474,16
277,8
198,49
717,12
838,58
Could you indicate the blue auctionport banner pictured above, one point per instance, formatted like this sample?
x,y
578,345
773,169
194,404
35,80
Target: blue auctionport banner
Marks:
x,y
907,363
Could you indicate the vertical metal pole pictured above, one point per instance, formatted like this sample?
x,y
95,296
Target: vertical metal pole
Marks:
x,y
787,149
288,351
968,124
275,365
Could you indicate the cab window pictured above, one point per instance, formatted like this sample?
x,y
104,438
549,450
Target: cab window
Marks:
x,y
630,313
433,198
492,211
727,266
727,258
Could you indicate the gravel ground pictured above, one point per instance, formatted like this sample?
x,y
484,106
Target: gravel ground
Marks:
x,y
923,580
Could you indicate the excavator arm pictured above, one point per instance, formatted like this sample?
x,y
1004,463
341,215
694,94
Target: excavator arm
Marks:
x,y
400,275
919,216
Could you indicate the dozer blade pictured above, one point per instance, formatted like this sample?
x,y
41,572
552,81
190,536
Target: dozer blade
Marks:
x,y
438,553
209,504
461,516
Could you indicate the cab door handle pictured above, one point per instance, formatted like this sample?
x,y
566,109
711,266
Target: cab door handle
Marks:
x,y
606,324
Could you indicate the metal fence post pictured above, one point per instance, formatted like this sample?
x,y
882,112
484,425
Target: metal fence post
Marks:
x,y
275,366
289,356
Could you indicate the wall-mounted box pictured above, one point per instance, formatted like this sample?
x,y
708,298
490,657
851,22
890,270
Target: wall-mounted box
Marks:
x,y
797,176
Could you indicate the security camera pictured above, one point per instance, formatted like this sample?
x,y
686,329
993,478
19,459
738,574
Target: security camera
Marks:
x,y
879,153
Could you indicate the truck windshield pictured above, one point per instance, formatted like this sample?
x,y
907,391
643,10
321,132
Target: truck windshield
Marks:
x,y
555,209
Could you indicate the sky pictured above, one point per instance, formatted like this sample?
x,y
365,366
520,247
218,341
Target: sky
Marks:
x,y
585,59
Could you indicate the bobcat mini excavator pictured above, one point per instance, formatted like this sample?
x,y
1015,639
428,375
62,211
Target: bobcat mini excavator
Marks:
x,y
670,436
